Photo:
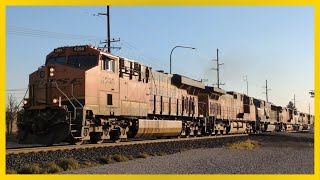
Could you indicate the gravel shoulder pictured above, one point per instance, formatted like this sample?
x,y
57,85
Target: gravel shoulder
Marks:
x,y
280,153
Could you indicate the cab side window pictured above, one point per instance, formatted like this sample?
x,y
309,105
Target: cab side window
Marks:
x,y
107,63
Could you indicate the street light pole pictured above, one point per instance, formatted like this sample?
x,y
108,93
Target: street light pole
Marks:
x,y
178,47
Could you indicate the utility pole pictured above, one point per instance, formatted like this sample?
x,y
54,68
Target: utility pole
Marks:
x,y
217,69
267,90
108,40
294,100
246,79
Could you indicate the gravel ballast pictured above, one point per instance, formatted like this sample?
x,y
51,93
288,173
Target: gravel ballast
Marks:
x,y
280,153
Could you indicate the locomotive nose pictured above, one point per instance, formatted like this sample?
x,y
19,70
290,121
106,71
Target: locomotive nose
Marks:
x,y
47,126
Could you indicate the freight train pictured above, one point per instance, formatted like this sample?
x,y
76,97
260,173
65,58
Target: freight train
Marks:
x,y
84,93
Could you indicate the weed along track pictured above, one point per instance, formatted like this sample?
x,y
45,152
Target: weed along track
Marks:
x,y
82,157
110,152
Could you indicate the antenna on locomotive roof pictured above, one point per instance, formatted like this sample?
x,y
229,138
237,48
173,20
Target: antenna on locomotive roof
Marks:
x,y
108,40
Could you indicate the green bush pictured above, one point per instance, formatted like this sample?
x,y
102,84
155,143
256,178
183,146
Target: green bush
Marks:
x,y
69,164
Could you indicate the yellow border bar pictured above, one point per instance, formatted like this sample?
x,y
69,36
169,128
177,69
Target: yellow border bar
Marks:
x,y
4,3
2,85
157,2
316,90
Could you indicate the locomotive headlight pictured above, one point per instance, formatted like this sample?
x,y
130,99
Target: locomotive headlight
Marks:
x,y
55,101
51,70
51,74
25,101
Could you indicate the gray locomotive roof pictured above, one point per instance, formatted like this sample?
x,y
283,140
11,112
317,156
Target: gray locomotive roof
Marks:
x,y
211,89
182,80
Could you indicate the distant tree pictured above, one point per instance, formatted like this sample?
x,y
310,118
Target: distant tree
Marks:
x,y
291,106
11,113
311,93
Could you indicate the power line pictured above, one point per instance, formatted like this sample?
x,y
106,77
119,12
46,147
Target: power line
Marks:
x,y
65,36
18,89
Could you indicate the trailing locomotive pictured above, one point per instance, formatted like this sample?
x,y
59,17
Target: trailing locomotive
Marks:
x,y
83,93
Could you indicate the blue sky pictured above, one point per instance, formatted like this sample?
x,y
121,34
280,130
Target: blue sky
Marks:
x,y
264,43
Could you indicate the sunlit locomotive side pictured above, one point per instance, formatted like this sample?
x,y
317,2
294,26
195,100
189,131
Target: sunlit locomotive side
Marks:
x,y
83,93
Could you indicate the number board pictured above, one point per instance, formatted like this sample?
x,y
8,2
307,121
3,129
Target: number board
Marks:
x,y
58,50
79,48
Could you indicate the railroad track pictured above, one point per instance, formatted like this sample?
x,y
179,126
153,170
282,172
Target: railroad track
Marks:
x,y
22,150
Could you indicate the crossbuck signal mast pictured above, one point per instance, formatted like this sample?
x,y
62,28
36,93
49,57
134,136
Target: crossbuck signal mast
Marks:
x,y
217,69
108,41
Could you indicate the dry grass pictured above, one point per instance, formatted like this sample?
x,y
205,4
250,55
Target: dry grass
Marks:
x,y
30,169
161,153
69,164
51,168
120,158
244,145
109,159
130,157
183,150
143,155
86,164
9,171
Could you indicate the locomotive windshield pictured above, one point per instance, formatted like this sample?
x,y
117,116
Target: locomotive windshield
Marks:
x,y
79,61
56,60
84,61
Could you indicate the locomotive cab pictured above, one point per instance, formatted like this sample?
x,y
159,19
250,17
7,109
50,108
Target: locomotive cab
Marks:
x,y
57,96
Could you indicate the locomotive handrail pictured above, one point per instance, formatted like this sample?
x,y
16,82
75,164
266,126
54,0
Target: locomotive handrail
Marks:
x,y
75,97
24,96
74,107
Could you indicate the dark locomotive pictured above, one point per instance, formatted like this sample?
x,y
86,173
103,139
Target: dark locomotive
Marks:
x,y
83,93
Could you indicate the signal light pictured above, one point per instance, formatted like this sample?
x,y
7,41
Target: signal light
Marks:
x,y
55,101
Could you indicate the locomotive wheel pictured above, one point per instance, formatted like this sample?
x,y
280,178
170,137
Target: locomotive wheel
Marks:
x,y
215,132
96,141
77,141
115,135
116,140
